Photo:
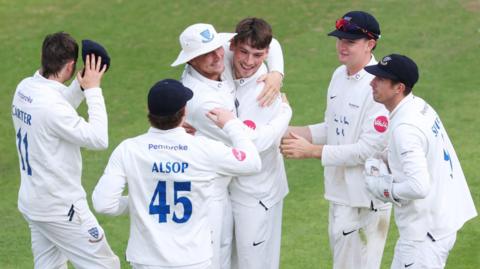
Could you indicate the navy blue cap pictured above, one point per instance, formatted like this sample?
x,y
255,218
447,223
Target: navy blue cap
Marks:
x,y
396,67
89,47
167,97
364,21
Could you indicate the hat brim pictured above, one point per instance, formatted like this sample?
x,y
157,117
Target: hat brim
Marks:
x,y
345,35
220,40
378,72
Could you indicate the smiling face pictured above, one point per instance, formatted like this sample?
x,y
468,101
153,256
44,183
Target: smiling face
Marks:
x,y
354,53
246,59
210,65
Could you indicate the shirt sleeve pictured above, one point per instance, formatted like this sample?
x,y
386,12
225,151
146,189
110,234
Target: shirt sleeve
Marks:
x,y
74,94
269,134
371,140
411,145
68,125
275,57
107,196
241,159
319,133
208,127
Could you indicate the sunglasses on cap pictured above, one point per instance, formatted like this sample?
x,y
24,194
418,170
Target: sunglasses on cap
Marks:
x,y
348,26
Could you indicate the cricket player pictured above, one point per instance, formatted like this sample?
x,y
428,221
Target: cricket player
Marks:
x,y
205,74
257,200
427,185
355,127
49,134
169,174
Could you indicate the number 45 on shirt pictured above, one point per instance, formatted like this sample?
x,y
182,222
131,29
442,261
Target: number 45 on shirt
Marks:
x,y
158,204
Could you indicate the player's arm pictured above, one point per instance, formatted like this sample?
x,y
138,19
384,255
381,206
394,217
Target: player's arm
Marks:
x,y
373,138
65,122
240,159
107,196
265,136
74,94
273,80
411,145
203,124
302,142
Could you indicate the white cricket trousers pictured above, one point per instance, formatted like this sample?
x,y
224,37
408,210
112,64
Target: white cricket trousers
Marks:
x,y
202,265
357,236
426,254
258,232
81,241
221,221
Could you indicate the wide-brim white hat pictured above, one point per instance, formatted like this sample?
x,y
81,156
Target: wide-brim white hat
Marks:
x,y
199,39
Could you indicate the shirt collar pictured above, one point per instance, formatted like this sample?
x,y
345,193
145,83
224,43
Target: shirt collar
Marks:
x,y
360,74
50,83
405,100
212,83
176,130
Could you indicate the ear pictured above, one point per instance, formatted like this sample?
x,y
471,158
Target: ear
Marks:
x,y
400,88
232,45
70,65
371,44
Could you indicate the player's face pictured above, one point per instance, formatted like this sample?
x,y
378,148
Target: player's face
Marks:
x,y
246,59
354,52
385,92
210,65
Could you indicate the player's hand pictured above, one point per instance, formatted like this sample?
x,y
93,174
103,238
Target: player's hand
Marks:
x,y
273,83
220,116
375,167
92,74
296,147
189,128
381,187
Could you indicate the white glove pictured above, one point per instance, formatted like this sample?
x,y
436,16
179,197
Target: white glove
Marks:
x,y
381,187
375,167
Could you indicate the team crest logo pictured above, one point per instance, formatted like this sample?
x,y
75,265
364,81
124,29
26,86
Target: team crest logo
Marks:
x,y
385,60
380,124
239,155
347,18
207,36
95,233
250,124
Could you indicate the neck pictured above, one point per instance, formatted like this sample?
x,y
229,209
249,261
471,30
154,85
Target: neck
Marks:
x,y
355,68
392,105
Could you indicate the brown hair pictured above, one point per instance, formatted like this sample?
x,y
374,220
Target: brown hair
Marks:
x,y
166,122
57,50
254,31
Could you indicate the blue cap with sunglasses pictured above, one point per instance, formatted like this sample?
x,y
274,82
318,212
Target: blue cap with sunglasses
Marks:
x,y
356,25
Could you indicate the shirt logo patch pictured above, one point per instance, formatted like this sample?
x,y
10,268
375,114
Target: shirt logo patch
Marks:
x,y
381,124
250,124
239,155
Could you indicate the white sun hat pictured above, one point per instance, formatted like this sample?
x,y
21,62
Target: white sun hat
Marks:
x,y
199,39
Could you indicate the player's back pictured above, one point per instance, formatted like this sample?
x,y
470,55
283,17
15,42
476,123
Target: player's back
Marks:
x,y
50,167
169,203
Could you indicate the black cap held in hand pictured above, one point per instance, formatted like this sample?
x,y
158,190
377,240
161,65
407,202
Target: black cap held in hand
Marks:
x,y
356,25
167,97
396,67
89,47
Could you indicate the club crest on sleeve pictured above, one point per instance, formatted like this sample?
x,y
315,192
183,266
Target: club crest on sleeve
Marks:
x,y
207,36
251,124
381,124
239,155
386,193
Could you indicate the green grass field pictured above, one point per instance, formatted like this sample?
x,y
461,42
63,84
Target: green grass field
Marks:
x,y
443,36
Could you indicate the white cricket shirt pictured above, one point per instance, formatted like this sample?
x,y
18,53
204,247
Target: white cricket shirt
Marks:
x,y
169,175
49,134
354,129
270,185
428,178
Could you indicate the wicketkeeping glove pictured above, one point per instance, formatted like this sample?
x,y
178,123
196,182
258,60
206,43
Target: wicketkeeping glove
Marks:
x,y
381,187
375,167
